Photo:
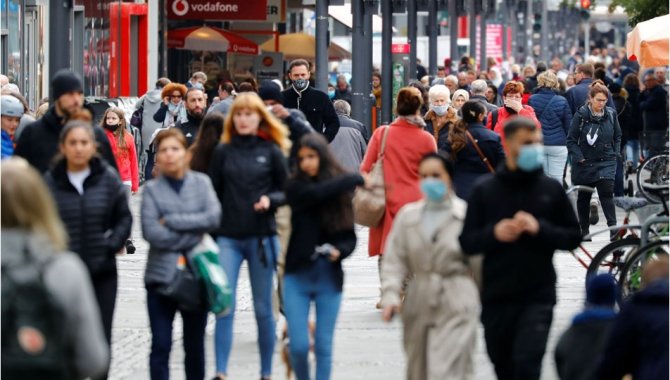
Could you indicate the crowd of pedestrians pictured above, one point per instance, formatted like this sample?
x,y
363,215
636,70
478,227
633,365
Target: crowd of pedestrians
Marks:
x,y
474,210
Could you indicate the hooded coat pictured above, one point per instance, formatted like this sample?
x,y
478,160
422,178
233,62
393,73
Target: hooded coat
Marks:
x,y
150,104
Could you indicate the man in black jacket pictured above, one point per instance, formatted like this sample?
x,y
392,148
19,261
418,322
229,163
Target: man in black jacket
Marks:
x,y
654,106
517,218
38,143
196,102
313,103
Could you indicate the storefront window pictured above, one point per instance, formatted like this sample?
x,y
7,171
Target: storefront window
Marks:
x,y
15,25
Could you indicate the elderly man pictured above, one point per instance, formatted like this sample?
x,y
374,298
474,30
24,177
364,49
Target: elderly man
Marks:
x,y
349,145
451,81
478,94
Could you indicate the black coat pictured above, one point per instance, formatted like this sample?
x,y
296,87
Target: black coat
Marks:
x,y
307,200
654,106
317,108
625,116
38,143
343,94
637,121
241,172
97,222
521,272
190,128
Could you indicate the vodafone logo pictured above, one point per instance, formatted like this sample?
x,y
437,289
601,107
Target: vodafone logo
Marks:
x,y
180,7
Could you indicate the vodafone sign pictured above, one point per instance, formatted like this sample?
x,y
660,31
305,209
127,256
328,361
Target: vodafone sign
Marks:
x,y
217,10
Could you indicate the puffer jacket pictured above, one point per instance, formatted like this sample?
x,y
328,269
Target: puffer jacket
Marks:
x,y
98,222
599,159
554,114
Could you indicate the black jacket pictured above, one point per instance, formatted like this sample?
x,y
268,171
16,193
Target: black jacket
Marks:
x,y
298,126
521,272
99,221
317,108
343,94
637,121
654,106
241,172
625,116
38,143
190,128
307,199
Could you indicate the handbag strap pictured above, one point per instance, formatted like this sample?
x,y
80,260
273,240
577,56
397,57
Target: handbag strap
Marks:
x,y
380,155
479,152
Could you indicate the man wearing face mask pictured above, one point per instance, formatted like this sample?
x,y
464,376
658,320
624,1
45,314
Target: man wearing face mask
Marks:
x,y
196,102
518,238
313,103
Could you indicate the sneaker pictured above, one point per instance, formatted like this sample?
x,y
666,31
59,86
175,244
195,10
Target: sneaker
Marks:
x,y
593,214
130,247
614,235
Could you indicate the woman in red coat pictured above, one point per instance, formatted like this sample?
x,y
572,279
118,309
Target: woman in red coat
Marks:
x,y
406,144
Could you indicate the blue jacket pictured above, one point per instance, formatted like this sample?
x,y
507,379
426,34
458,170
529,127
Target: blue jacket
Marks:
x,y
578,95
638,342
554,114
601,157
654,107
7,145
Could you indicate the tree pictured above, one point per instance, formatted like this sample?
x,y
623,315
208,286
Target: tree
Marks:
x,y
641,10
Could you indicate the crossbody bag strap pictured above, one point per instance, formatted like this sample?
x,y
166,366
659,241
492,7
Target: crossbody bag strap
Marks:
x,y
479,152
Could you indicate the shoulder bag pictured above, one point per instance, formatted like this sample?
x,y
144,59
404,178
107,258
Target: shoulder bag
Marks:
x,y
479,152
370,203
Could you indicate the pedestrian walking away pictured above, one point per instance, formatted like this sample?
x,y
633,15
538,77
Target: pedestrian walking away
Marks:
x,y
199,154
92,202
178,207
349,145
517,219
249,171
319,194
440,309
148,105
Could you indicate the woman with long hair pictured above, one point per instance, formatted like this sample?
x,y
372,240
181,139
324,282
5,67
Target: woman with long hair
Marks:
x,y
32,232
248,170
323,235
178,207
93,204
206,140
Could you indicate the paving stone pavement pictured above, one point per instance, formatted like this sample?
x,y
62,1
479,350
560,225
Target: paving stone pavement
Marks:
x,y
365,347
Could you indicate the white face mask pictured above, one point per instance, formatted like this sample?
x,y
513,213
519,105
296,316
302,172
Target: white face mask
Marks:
x,y
440,110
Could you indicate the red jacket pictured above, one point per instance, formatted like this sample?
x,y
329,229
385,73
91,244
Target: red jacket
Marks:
x,y
503,115
126,161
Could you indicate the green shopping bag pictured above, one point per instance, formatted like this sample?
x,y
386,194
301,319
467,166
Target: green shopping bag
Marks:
x,y
205,257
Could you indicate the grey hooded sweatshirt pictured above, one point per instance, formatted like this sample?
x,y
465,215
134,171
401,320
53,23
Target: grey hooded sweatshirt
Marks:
x,y
151,101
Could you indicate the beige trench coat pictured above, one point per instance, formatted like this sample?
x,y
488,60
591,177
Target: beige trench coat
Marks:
x,y
440,311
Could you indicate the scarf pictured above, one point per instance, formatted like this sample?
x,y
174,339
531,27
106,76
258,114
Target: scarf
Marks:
x,y
179,111
414,119
597,114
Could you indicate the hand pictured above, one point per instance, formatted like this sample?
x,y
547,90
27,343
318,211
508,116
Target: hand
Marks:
x,y
263,204
166,100
279,111
507,230
367,181
334,255
528,223
161,221
389,312
514,104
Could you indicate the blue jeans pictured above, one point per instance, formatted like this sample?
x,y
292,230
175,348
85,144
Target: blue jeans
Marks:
x,y
317,284
261,264
555,158
633,152
161,315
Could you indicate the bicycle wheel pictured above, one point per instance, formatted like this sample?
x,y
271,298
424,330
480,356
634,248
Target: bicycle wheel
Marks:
x,y
612,257
630,280
655,171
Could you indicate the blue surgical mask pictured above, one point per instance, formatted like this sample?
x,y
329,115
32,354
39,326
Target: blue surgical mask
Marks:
x,y
440,110
433,189
300,84
331,94
531,157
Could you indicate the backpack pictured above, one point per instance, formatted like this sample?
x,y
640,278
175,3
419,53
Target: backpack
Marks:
x,y
33,338
136,118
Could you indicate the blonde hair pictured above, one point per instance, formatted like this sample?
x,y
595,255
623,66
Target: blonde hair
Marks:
x,y
269,125
27,204
547,79
120,131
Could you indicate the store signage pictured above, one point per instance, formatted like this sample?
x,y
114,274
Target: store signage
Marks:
x,y
268,66
249,10
400,48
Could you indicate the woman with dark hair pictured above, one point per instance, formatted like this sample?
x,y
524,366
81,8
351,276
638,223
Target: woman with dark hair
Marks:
x,y
492,95
92,202
466,140
323,235
424,95
439,313
206,141
594,143
631,83
406,143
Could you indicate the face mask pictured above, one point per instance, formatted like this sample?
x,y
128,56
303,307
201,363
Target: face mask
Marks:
x,y
440,110
300,84
111,127
530,157
433,189
331,95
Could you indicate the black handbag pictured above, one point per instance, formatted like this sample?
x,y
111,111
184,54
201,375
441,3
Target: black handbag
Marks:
x,y
186,289
136,118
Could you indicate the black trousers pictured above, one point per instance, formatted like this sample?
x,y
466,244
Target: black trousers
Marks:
x,y
105,286
605,189
516,338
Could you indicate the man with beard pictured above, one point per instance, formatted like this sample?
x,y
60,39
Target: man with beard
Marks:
x,y
512,95
196,102
38,143
313,103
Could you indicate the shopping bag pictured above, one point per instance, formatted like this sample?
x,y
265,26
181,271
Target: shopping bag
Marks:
x,y
206,261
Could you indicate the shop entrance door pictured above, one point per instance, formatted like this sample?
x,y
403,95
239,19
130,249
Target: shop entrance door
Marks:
x,y
32,59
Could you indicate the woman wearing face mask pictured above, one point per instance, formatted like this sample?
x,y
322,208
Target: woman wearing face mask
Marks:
x,y
469,164
323,235
248,171
594,143
92,202
440,310
441,117
173,108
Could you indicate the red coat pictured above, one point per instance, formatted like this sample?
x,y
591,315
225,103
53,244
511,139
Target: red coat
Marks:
x,y
126,161
503,115
405,146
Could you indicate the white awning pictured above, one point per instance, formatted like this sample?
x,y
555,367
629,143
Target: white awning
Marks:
x,y
342,13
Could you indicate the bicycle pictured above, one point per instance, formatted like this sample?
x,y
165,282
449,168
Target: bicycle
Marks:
x,y
654,171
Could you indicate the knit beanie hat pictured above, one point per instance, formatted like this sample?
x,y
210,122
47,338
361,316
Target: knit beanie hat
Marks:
x,y
65,81
270,91
601,290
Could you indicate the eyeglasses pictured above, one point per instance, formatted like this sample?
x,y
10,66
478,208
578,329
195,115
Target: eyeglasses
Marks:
x,y
175,96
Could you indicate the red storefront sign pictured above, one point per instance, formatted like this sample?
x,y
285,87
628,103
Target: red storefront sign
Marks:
x,y
399,48
250,10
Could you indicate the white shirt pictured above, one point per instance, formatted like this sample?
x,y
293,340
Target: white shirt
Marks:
x,y
77,179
